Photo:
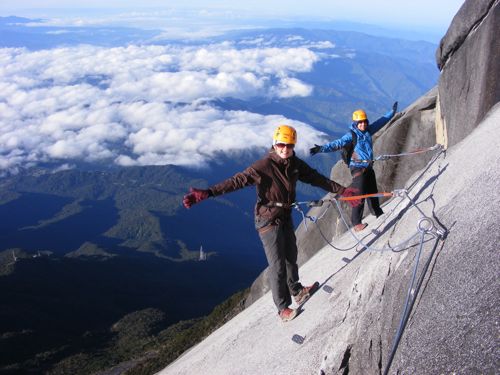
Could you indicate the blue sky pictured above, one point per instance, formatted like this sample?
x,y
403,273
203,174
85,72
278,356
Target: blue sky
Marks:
x,y
422,15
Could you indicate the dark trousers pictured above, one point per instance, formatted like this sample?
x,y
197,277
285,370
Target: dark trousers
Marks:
x,y
364,179
280,246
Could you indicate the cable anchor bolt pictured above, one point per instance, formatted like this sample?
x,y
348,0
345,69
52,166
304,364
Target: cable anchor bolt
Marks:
x,y
399,192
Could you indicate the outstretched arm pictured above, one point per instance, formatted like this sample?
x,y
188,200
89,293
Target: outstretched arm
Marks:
x,y
313,177
195,196
379,124
333,145
240,180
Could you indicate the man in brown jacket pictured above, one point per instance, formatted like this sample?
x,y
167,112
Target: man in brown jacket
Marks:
x,y
275,177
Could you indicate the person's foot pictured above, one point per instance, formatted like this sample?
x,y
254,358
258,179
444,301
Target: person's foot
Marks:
x,y
305,293
287,314
360,227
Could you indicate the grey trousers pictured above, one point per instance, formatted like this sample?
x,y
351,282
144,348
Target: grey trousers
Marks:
x,y
280,246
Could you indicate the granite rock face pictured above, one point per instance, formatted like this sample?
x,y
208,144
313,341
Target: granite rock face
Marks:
x,y
467,18
469,60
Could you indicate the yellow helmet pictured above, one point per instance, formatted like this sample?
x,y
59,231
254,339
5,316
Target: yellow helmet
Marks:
x,y
359,115
285,134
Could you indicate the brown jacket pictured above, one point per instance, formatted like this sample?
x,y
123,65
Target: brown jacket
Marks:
x,y
275,179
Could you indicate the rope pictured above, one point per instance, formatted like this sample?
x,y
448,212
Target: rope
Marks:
x,y
399,192
389,156
320,202
418,151
397,248
358,240
425,227
358,197
411,297
315,220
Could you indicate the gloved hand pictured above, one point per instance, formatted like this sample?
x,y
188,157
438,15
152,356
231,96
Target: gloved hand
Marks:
x,y
314,150
350,192
395,107
195,196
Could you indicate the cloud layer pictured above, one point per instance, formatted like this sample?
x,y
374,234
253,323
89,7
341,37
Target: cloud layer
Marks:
x,y
142,105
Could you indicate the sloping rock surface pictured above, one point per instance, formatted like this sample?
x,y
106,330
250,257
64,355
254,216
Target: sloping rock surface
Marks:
x,y
349,325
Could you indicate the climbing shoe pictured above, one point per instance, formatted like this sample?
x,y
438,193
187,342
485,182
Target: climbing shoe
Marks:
x,y
305,293
360,227
287,314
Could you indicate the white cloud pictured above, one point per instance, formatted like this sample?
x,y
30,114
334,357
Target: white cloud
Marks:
x,y
290,87
141,105
191,136
326,44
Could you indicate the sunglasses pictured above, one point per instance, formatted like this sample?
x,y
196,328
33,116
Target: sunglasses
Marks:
x,y
283,145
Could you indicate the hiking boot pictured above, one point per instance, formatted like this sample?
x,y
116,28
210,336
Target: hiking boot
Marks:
x,y
360,227
287,314
305,293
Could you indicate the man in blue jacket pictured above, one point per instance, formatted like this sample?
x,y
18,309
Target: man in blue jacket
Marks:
x,y
361,161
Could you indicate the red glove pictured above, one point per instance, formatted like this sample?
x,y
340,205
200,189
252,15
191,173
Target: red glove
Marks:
x,y
195,196
350,192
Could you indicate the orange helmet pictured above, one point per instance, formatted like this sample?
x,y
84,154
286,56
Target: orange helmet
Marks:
x,y
285,134
359,115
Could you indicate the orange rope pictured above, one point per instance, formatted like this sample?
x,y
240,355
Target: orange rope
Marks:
x,y
357,197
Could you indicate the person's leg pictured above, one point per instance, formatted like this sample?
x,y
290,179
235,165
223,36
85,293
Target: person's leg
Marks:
x,y
358,182
371,188
272,240
290,249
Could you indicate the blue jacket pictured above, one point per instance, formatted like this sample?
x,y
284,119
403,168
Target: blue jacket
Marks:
x,y
364,146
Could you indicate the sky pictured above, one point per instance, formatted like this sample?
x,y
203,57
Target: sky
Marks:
x,y
423,14
150,104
